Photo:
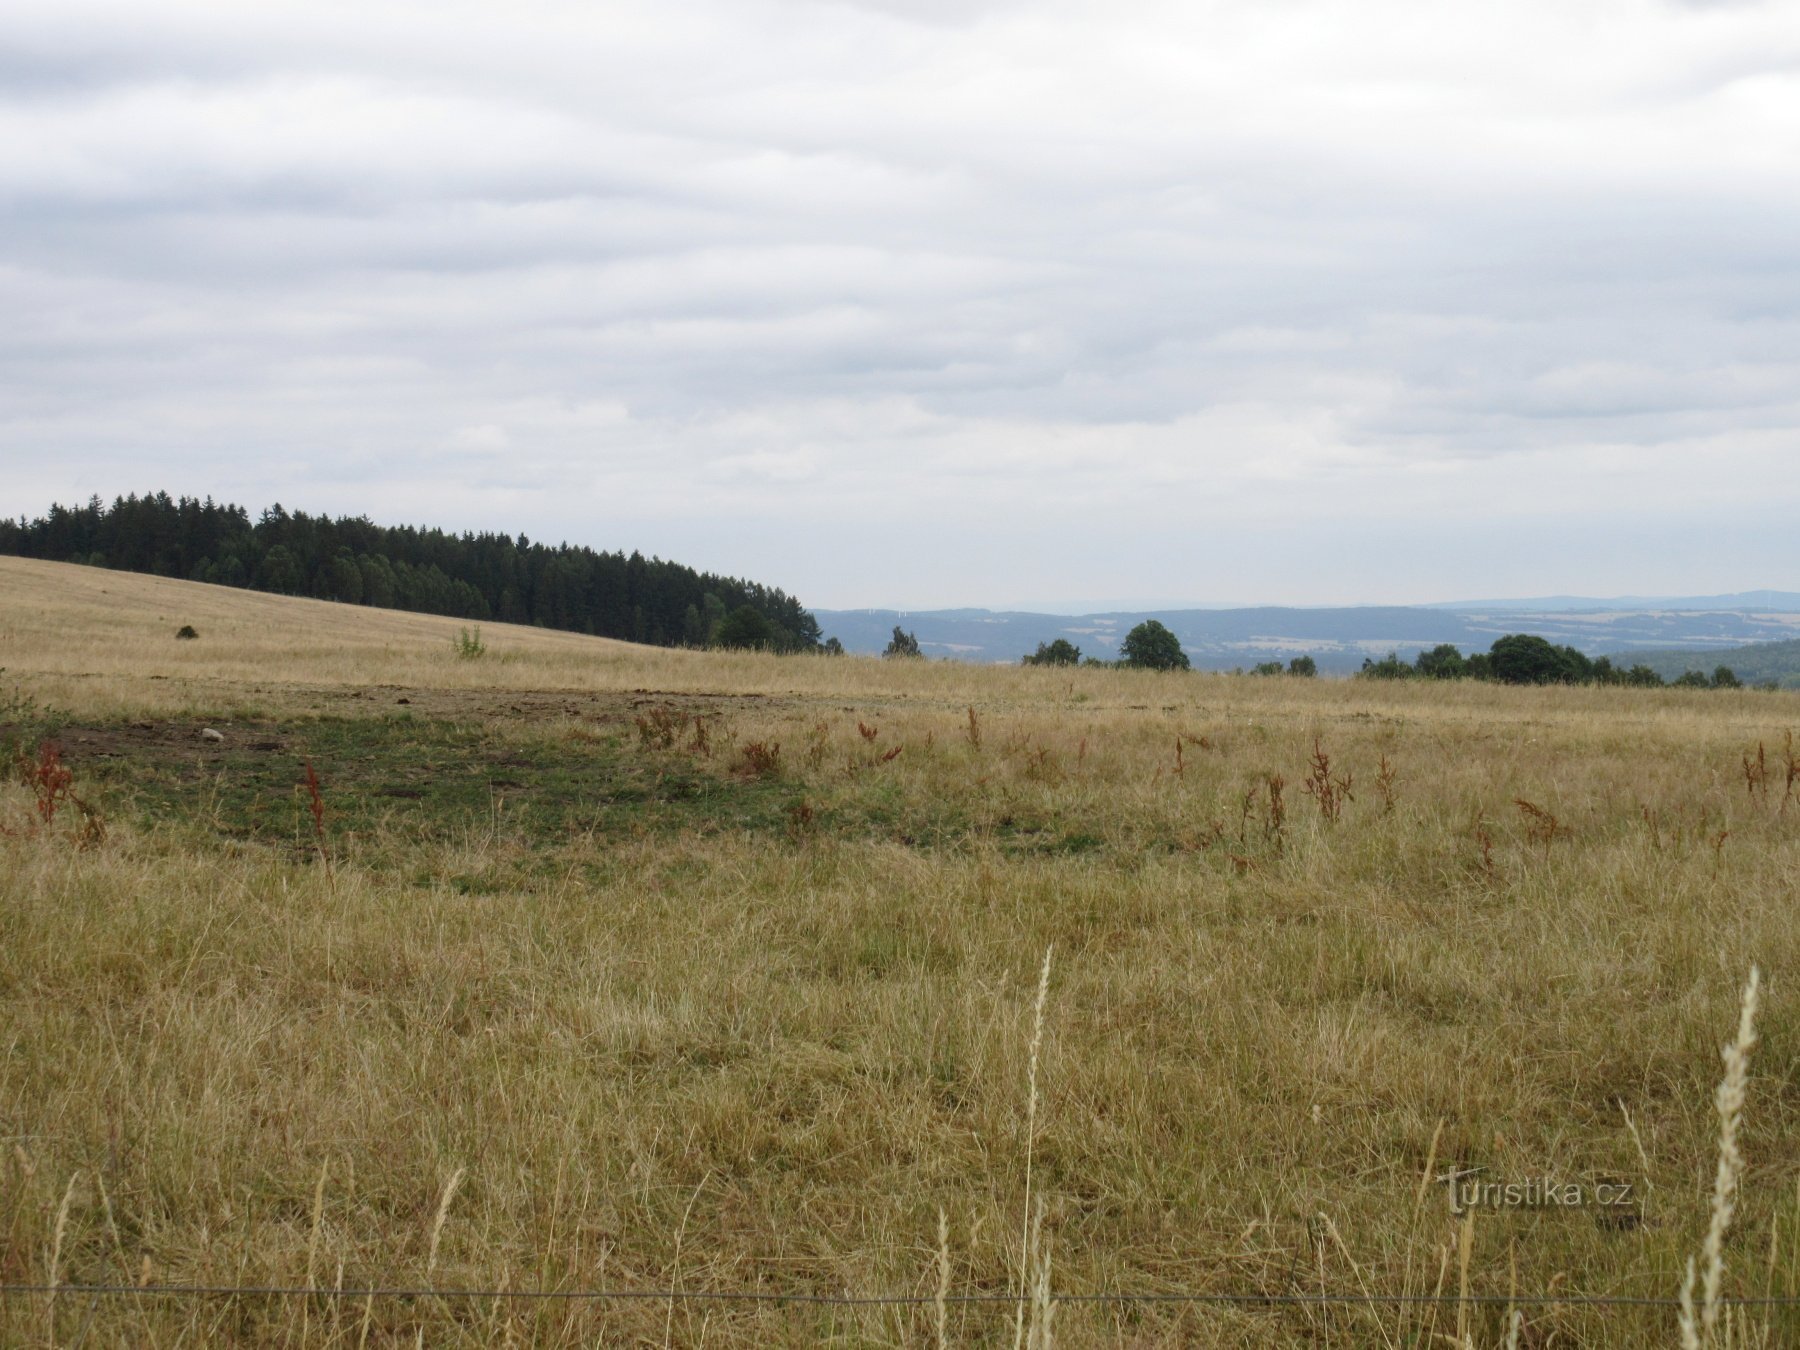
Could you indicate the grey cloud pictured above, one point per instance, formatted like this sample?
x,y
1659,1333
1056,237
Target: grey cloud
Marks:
x,y
1067,265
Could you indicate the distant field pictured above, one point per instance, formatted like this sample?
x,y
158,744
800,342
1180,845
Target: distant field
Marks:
x,y
617,967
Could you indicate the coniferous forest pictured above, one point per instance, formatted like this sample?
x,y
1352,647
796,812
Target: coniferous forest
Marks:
x,y
472,576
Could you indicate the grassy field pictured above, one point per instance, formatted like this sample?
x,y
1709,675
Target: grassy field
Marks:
x,y
604,966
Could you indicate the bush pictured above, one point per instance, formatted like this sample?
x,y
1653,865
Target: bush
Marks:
x,y
1524,658
1304,667
1693,679
468,644
1061,652
745,627
1726,678
832,647
1266,668
1150,646
186,632
903,645
1390,667
1442,662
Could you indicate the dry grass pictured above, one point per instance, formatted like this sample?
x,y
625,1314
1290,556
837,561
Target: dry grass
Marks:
x,y
801,1057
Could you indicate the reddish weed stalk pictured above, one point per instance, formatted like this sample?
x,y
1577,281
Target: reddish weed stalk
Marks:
x,y
1275,823
1329,790
315,804
1385,780
761,759
1540,826
1756,774
52,784
1793,769
658,727
800,818
1486,841
50,780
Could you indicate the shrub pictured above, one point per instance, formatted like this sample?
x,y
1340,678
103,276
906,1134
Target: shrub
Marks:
x,y
745,628
1390,667
1525,658
1442,662
1266,668
1304,667
186,632
1726,678
1150,646
468,644
1060,652
903,644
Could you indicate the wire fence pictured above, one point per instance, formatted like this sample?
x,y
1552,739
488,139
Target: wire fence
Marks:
x,y
883,1300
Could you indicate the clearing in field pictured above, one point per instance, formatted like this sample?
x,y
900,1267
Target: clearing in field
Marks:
x,y
573,965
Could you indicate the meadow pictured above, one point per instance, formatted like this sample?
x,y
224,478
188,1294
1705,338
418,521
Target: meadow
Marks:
x,y
577,965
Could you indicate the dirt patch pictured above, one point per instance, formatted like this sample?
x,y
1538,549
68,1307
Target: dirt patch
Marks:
x,y
162,740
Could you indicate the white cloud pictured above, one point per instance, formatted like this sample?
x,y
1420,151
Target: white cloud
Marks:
x,y
905,300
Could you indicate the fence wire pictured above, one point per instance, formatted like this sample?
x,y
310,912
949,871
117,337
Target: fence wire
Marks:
x,y
880,1300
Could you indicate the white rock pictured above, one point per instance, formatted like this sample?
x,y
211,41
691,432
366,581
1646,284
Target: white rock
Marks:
x,y
208,734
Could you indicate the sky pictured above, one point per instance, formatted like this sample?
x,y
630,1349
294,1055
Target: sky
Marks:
x,y
915,303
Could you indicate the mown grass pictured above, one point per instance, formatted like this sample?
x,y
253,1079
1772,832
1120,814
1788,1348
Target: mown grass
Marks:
x,y
682,1017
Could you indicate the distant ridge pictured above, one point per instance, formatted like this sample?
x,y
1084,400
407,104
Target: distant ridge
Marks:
x,y
1780,601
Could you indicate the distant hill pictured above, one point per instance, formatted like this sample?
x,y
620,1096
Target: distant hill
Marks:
x,y
1758,663
1780,601
1338,638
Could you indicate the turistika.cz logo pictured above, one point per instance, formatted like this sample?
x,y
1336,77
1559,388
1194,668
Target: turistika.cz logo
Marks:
x,y
1469,1191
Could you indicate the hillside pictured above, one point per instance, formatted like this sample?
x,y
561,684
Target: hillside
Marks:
x,y
470,576
1756,663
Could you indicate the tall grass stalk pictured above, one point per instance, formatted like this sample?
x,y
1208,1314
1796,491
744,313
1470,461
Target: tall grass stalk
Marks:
x,y
437,1223
1728,1102
56,1242
1031,1104
941,1305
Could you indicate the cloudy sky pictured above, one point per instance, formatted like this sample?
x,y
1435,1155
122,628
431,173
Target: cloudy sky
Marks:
x,y
926,302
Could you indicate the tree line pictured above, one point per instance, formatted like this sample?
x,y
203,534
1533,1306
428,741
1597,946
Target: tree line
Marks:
x,y
1517,658
1525,658
470,576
